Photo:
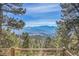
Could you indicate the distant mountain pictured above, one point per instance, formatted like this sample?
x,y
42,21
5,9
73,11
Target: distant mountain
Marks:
x,y
41,30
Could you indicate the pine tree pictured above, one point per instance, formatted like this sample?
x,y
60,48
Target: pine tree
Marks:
x,y
8,39
70,16
14,8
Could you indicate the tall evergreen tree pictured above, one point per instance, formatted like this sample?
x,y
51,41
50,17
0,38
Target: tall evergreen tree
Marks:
x,y
14,8
70,17
8,39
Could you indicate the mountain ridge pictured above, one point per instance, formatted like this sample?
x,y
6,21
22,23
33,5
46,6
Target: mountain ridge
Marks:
x,y
41,30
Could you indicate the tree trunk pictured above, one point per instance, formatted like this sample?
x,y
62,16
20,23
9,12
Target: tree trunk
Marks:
x,y
1,18
77,44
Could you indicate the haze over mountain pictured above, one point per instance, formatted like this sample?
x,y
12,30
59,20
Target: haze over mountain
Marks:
x,y
41,30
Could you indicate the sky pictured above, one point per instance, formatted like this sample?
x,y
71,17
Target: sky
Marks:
x,y
41,14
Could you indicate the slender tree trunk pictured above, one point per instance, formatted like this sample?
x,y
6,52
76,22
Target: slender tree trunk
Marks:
x,y
1,18
77,44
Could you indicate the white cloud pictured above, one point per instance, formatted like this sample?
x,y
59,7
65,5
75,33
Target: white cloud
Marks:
x,y
35,10
43,9
40,23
